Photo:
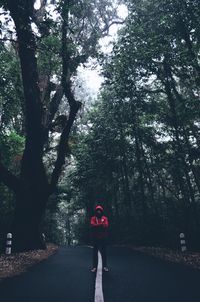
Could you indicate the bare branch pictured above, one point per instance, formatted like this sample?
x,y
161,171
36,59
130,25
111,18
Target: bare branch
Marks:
x,y
63,147
55,102
73,104
81,29
8,39
151,91
107,26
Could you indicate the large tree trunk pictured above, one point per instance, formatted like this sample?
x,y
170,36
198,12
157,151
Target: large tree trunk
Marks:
x,y
32,188
26,228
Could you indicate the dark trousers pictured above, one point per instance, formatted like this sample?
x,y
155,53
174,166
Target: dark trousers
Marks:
x,y
99,245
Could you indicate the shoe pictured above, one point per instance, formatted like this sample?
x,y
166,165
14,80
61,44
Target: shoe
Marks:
x,y
94,269
105,269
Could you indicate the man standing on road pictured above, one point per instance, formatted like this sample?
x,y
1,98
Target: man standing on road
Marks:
x,y
99,225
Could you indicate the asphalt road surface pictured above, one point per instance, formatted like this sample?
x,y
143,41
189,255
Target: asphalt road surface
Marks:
x,y
133,277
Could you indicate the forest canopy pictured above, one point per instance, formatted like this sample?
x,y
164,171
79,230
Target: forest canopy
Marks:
x,y
135,149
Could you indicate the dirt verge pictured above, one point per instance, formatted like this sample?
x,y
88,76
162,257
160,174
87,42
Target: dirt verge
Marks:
x,y
18,263
191,259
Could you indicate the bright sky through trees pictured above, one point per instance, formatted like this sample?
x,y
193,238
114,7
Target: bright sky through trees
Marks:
x,y
91,75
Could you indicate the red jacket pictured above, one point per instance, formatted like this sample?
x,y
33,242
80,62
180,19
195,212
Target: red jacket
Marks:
x,y
99,227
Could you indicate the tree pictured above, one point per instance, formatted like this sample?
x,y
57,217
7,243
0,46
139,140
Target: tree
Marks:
x,y
148,155
78,30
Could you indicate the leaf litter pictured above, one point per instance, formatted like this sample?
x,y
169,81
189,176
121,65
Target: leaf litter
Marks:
x,y
188,258
17,263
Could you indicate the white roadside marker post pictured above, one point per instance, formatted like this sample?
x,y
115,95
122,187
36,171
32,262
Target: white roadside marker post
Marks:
x,y
9,244
183,242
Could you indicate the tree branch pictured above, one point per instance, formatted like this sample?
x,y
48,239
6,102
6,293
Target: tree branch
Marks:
x,y
107,26
9,179
73,104
66,73
8,39
62,147
55,102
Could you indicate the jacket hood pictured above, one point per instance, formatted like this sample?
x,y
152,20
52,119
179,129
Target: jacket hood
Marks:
x,y
99,208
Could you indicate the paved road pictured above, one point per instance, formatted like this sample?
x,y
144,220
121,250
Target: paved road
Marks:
x,y
133,277
139,278
64,277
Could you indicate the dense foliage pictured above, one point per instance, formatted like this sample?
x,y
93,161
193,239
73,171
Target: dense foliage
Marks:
x,y
42,45
136,150
140,155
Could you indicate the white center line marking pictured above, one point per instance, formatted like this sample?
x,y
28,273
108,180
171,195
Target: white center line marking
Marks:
x,y
98,283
